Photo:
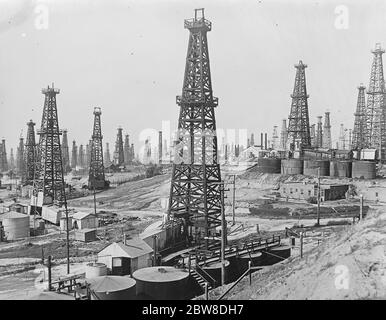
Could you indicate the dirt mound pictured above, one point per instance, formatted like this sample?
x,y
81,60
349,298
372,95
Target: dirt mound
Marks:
x,y
350,265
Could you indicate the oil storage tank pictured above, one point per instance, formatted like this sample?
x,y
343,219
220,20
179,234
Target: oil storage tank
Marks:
x,y
269,165
161,283
16,225
214,270
256,259
341,169
95,269
113,288
311,167
275,255
363,169
292,166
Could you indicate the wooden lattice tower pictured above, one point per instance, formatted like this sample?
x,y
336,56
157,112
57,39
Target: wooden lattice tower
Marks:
x,y
375,111
49,178
119,154
195,195
359,140
298,124
97,170
30,153
327,142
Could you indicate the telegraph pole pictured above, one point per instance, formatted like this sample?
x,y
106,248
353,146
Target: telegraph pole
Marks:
x,y
233,200
318,211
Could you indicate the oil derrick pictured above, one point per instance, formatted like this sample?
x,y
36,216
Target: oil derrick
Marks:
x,y
97,171
375,111
313,135
20,163
327,143
350,139
65,153
50,179
252,140
30,153
342,137
11,160
74,155
195,193
319,133
3,157
81,155
107,155
283,135
126,149
360,131
275,138
119,157
298,124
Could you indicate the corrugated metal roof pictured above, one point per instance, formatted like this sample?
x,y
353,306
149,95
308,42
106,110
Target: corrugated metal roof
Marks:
x,y
81,215
13,215
134,248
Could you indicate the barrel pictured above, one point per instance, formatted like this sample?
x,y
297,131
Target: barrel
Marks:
x,y
311,167
340,169
363,169
292,166
269,165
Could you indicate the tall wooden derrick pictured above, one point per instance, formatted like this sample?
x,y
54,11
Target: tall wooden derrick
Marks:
x,y
375,111
65,153
195,193
50,179
119,155
20,160
31,156
3,157
299,124
96,178
74,155
327,142
319,133
360,131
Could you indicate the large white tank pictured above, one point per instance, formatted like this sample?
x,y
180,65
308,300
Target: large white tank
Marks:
x,y
94,270
16,225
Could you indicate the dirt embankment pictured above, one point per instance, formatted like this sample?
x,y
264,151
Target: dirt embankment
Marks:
x,y
350,265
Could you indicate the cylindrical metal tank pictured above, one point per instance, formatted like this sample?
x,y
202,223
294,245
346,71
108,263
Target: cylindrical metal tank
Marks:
x,y
161,283
340,169
269,165
214,270
311,167
95,269
113,288
363,169
16,225
243,261
275,255
292,166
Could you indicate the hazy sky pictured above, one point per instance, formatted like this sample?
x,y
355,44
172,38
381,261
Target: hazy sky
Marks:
x,y
128,58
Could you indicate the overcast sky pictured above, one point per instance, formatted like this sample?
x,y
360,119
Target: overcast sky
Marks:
x,y
128,58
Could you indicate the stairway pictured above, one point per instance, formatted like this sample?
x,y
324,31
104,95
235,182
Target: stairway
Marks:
x,y
200,280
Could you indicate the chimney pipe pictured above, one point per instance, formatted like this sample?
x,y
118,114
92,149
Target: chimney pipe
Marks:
x,y
266,142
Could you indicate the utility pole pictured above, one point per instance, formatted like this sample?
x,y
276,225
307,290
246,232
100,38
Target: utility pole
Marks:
x,y
233,200
223,236
361,208
318,212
